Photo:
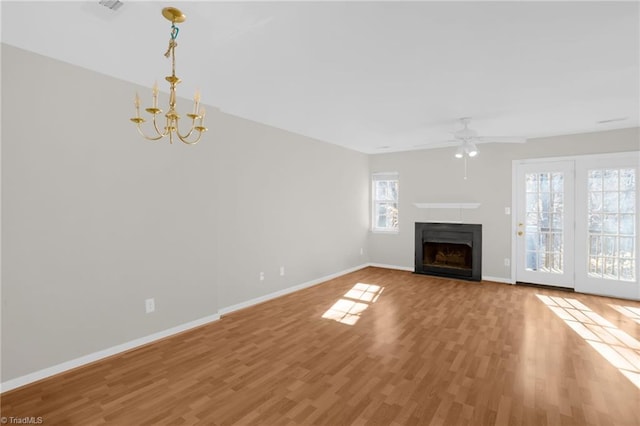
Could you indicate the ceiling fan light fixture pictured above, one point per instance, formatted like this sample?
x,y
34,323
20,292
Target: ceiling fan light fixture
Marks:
x,y
459,152
471,149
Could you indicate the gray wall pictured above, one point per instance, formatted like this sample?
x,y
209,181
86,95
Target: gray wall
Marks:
x,y
436,176
285,201
95,219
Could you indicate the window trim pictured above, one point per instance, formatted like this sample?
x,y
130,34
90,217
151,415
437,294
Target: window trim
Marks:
x,y
384,176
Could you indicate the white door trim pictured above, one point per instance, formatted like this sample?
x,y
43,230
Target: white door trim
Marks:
x,y
564,278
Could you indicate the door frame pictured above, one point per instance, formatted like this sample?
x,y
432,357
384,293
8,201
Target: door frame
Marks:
x,y
567,278
579,163
600,286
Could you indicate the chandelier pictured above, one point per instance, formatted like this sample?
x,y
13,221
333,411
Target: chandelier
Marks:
x,y
170,128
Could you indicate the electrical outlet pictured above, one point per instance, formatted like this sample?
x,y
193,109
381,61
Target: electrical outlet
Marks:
x,y
361,251
261,276
282,271
507,261
149,305
507,210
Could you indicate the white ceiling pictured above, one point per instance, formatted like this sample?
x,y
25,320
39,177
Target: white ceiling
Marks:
x,y
371,76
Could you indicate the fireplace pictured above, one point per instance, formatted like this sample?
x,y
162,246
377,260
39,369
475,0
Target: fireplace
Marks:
x,y
451,250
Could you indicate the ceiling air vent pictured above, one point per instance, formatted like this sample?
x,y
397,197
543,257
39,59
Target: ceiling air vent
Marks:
x,y
111,4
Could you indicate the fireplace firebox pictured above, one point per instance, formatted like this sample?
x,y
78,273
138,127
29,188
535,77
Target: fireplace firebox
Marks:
x,y
451,250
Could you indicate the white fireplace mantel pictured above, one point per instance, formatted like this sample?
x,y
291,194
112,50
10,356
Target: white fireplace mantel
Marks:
x,y
447,205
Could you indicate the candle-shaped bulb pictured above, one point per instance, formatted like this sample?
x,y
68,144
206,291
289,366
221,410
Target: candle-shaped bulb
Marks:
x,y
155,94
136,101
202,112
196,102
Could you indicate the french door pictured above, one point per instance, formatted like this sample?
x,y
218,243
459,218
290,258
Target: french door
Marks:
x,y
544,217
576,223
607,241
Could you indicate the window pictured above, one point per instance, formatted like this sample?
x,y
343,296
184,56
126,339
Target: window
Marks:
x,y
612,217
385,202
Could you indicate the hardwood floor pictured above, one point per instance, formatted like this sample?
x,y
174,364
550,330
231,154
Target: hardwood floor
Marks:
x,y
372,347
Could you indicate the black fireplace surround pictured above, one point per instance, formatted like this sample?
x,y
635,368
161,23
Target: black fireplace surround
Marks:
x,y
452,250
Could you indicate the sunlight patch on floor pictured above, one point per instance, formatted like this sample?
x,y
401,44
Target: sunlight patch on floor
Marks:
x,y
617,347
348,309
628,311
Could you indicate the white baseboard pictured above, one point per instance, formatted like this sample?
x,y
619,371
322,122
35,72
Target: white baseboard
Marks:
x,y
266,297
497,279
400,268
96,356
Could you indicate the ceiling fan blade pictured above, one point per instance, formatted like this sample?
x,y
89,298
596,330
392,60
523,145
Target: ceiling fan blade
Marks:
x,y
440,144
500,139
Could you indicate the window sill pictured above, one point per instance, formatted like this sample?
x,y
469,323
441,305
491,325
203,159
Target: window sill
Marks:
x,y
384,231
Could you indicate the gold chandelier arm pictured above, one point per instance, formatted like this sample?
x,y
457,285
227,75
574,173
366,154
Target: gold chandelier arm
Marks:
x,y
155,126
200,129
183,137
184,140
139,127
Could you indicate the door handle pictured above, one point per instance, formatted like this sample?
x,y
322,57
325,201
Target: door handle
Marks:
x,y
520,233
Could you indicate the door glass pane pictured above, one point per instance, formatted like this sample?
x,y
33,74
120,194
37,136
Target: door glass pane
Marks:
x,y
627,179
626,247
544,236
610,246
557,201
595,180
627,201
595,223
610,180
610,225
611,211
595,245
627,224
557,180
544,179
531,182
595,202
610,202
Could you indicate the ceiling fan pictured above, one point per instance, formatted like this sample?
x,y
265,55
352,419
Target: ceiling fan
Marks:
x,y
467,139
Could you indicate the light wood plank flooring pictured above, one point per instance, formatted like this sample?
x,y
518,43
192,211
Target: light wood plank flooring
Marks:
x,y
372,347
